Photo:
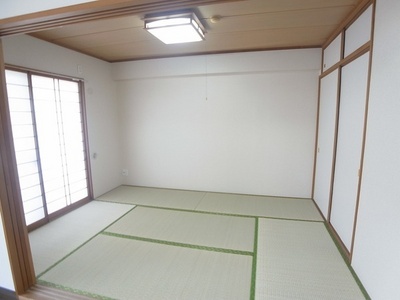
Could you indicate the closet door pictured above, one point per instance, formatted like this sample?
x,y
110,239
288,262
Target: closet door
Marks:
x,y
349,147
326,140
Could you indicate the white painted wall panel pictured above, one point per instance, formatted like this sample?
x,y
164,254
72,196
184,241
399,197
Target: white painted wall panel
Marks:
x,y
359,32
377,243
326,140
229,131
349,147
332,53
234,63
100,96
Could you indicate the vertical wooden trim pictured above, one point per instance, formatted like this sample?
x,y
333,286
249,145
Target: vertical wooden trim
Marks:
x,y
86,139
364,132
338,94
317,130
10,198
316,143
342,44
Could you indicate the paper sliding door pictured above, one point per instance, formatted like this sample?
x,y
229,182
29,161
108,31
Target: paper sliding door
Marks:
x,y
353,96
326,140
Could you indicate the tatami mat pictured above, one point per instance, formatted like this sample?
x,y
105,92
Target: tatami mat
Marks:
x,y
53,241
154,197
299,260
246,205
121,268
192,245
227,232
262,206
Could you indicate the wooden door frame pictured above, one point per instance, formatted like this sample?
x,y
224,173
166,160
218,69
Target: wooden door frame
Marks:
x,y
11,207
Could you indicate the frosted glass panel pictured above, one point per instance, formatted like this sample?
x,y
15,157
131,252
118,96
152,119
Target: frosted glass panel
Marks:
x,y
18,91
69,86
21,118
31,192
27,168
20,131
33,204
16,78
26,156
46,83
20,105
29,180
34,216
24,144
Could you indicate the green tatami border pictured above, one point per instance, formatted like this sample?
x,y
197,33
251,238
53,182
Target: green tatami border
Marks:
x,y
254,265
353,273
177,244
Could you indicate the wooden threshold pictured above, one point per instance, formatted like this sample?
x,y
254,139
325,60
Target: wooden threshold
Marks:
x,y
40,292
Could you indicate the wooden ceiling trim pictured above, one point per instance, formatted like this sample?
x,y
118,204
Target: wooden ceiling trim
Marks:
x,y
92,11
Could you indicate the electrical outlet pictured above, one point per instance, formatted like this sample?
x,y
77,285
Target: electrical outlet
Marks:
x,y
125,172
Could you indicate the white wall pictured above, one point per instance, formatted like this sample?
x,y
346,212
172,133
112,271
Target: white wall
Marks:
x,y
376,257
102,112
11,8
6,279
248,126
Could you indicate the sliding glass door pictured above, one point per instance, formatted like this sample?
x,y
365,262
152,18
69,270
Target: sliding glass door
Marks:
x,y
49,139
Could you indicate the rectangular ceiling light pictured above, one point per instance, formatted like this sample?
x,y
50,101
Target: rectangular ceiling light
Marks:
x,y
175,28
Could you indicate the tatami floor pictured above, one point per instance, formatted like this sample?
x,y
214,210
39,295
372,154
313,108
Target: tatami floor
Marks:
x,y
148,243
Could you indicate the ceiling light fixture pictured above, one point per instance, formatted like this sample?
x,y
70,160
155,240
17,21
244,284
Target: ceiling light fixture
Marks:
x,y
175,28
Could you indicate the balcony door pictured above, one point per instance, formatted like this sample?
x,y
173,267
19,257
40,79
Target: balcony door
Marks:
x,y
49,140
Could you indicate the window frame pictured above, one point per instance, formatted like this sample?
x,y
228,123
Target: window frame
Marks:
x,y
32,72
